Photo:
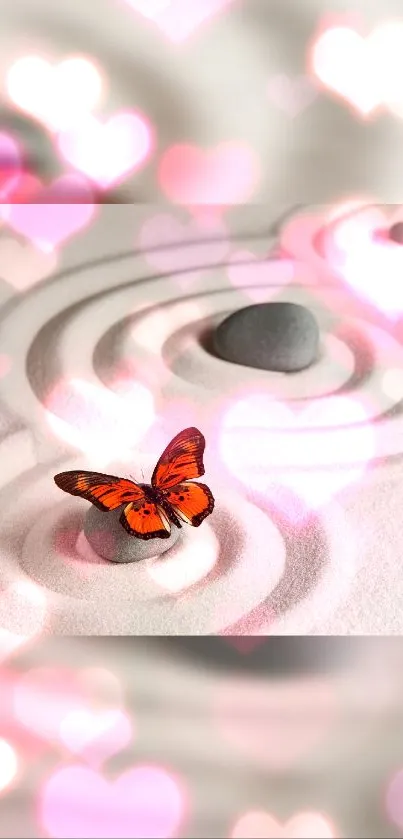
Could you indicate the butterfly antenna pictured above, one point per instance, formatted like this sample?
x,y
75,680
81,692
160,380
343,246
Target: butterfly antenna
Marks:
x,y
132,478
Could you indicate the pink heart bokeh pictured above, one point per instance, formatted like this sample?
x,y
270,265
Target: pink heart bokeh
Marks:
x,y
43,698
260,279
178,19
344,62
394,799
173,246
364,71
78,803
59,211
107,153
55,94
267,446
357,248
96,735
259,824
97,421
223,176
25,742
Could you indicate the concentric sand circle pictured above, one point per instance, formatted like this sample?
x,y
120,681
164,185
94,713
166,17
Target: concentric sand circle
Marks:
x,y
201,586
166,344
116,321
217,577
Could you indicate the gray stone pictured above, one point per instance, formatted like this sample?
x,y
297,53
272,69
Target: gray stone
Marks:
x,y
282,337
396,233
111,541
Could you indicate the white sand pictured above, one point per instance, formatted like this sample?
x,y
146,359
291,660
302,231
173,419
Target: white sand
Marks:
x,y
252,569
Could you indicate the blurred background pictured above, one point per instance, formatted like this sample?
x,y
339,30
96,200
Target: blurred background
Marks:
x,y
292,102
258,103
137,737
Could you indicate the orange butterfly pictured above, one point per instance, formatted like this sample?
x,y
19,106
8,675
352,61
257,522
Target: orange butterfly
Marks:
x,y
171,496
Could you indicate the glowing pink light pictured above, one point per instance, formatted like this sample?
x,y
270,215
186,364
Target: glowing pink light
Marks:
x,y
178,19
58,95
343,62
223,176
265,445
96,735
394,799
10,165
5,365
102,544
372,265
260,279
130,368
364,71
145,801
108,152
22,265
98,422
72,547
8,765
179,569
176,415
257,824
60,210
24,744
43,697
170,245
302,236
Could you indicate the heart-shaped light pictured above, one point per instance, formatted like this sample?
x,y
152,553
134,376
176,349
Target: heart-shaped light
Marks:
x,y
53,213
357,248
261,825
313,453
96,735
364,71
178,19
146,801
58,95
221,176
108,152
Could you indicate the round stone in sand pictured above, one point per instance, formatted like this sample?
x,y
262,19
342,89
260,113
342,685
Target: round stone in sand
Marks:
x,y
281,337
111,541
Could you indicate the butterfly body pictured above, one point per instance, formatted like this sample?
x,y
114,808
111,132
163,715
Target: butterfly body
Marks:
x,y
150,509
159,498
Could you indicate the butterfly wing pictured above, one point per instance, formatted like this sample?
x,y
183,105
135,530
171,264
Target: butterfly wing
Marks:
x,y
181,460
106,492
191,502
145,520
140,517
